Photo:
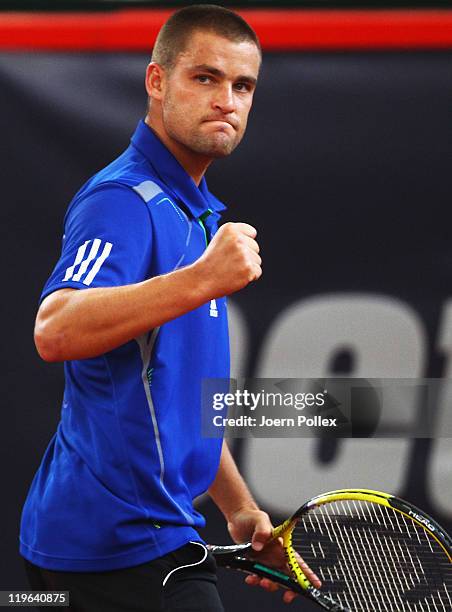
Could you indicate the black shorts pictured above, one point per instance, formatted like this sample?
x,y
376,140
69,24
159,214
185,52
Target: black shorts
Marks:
x,y
139,588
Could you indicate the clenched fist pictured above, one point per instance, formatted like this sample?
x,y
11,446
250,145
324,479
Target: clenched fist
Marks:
x,y
231,260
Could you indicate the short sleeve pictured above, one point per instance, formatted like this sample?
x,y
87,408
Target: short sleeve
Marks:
x,y
107,241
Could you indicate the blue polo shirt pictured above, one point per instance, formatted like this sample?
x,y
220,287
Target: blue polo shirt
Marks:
x,y
116,484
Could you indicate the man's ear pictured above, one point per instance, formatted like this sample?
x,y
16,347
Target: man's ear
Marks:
x,y
155,80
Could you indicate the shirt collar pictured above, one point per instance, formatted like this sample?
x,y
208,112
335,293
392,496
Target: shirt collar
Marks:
x,y
197,199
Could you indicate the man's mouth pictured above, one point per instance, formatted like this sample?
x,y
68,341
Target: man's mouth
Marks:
x,y
222,123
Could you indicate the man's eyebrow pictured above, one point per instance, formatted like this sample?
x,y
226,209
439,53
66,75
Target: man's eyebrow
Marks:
x,y
247,79
219,73
211,69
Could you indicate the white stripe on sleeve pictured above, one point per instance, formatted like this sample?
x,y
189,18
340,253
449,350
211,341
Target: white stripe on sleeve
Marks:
x,y
85,263
99,261
78,259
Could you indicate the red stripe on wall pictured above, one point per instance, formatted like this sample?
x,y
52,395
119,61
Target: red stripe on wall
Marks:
x,y
135,30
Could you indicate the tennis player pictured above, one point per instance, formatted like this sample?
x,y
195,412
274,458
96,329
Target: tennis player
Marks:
x,y
135,308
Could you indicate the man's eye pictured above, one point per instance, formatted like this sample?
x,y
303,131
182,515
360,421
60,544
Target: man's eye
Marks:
x,y
203,78
242,87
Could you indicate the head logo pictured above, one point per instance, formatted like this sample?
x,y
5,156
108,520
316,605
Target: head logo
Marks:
x,y
422,519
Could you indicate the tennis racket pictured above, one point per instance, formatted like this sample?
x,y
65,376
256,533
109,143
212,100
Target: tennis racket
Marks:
x,y
372,552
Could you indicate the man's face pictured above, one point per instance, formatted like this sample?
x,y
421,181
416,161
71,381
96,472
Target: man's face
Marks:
x,y
208,94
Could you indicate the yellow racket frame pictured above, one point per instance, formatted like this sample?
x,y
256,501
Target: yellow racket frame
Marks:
x,y
285,530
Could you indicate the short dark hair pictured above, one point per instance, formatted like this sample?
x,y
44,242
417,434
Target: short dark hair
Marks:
x,y
175,33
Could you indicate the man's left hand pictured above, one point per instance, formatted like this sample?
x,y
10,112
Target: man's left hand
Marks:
x,y
255,525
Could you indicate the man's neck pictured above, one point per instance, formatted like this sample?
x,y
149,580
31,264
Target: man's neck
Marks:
x,y
195,165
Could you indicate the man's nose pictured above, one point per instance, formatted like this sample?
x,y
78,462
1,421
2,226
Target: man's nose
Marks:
x,y
224,99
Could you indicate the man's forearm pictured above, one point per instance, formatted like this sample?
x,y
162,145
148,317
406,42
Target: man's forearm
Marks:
x,y
229,491
78,324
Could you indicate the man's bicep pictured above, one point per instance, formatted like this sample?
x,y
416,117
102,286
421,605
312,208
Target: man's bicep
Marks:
x,y
107,242
50,304
54,297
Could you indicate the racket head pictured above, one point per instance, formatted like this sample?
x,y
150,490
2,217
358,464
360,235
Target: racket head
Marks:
x,y
372,551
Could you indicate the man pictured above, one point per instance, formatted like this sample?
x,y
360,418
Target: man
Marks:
x,y
135,308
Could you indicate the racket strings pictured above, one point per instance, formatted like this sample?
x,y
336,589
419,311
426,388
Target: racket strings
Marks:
x,y
373,558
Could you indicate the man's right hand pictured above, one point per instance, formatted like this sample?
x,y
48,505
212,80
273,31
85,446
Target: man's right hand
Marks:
x,y
231,260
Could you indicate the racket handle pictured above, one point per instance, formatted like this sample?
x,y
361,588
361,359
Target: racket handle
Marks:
x,y
252,567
